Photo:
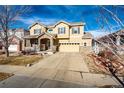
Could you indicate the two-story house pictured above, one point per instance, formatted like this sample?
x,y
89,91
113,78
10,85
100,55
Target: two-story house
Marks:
x,y
62,37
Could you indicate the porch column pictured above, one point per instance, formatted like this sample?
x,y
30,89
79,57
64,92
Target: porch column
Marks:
x,y
51,44
28,43
39,45
23,44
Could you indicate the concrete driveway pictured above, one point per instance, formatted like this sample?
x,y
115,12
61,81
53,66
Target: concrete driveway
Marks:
x,y
58,70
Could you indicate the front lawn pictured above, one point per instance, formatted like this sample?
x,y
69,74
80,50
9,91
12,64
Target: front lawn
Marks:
x,y
4,76
19,60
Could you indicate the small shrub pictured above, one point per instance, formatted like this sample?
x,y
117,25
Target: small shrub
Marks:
x,y
101,53
29,51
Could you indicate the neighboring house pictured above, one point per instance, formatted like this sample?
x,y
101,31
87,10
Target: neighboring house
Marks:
x,y
62,37
15,39
115,41
20,32
116,38
15,44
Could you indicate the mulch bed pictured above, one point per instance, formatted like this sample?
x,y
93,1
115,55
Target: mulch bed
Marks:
x,y
92,67
5,75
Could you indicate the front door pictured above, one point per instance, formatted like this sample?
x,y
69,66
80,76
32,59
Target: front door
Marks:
x,y
44,44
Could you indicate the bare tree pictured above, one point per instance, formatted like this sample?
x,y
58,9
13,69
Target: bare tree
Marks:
x,y
9,15
104,19
106,14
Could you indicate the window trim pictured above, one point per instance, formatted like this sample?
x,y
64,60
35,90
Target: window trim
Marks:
x,y
77,29
37,32
61,31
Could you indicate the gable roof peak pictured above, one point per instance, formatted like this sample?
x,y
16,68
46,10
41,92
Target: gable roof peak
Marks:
x,y
70,23
61,21
37,22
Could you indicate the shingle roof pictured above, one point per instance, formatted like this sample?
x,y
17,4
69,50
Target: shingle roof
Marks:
x,y
111,36
14,36
77,23
68,23
61,21
87,35
36,23
31,36
37,36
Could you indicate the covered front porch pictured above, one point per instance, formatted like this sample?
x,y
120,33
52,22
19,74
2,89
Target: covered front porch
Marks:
x,y
43,42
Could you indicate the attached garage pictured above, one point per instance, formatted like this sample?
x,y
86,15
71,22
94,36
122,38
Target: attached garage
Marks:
x,y
69,47
13,48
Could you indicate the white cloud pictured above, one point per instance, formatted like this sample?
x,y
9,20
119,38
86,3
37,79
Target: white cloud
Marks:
x,y
29,21
103,32
98,33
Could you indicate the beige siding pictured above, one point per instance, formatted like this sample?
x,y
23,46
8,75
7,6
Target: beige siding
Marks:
x,y
77,37
87,41
63,40
37,26
66,35
69,47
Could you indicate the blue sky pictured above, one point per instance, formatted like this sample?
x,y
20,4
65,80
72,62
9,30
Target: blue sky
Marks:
x,y
50,14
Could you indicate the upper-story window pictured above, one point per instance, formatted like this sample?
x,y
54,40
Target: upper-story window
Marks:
x,y
75,30
37,31
61,30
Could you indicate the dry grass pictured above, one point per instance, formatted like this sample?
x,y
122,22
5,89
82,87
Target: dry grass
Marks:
x,y
4,75
92,67
19,60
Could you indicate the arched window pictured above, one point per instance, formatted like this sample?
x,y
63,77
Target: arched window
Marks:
x,y
85,44
50,30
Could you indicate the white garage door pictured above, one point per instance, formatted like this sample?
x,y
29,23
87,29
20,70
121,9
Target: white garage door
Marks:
x,y
69,47
13,48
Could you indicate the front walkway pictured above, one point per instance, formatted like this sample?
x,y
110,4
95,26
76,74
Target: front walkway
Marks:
x,y
58,70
